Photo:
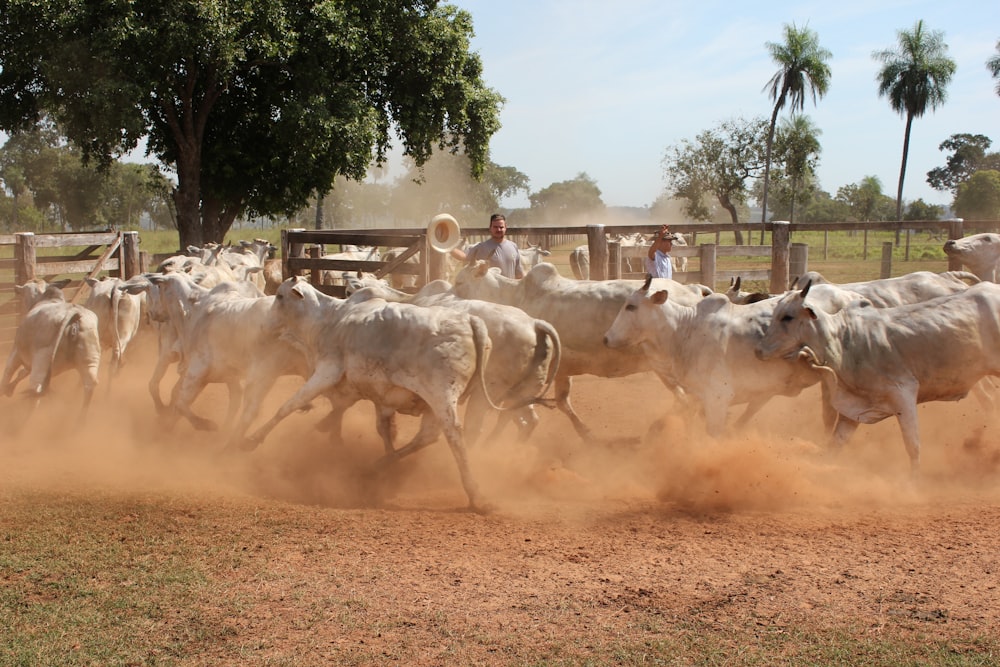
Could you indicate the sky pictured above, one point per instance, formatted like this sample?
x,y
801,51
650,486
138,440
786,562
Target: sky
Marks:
x,y
606,88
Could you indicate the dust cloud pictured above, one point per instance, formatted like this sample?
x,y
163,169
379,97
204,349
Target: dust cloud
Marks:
x,y
778,464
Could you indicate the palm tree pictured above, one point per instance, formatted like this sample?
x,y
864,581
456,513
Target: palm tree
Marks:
x,y
803,69
914,76
798,145
993,65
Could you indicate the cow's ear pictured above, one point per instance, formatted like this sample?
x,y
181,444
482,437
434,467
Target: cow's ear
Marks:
x,y
810,312
482,268
297,291
805,290
659,298
91,281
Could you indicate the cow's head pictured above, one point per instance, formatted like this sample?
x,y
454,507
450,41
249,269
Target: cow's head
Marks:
x,y
634,323
792,327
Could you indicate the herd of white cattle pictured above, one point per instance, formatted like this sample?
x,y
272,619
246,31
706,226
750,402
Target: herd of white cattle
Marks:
x,y
877,348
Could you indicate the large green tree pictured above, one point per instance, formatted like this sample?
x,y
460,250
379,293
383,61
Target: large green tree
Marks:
x,y
979,197
256,104
718,163
43,173
797,142
968,155
802,69
560,202
914,77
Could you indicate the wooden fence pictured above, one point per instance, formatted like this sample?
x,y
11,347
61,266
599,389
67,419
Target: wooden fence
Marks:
x,y
85,255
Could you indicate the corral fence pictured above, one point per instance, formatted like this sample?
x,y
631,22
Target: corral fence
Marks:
x,y
776,264
51,256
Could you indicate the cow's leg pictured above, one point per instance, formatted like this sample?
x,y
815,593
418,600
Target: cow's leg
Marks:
x,y
563,385
427,435
385,424
14,365
475,411
842,432
447,416
187,389
163,362
258,386
322,381
909,424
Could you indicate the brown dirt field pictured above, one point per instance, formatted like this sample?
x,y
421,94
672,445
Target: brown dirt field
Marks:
x,y
592,553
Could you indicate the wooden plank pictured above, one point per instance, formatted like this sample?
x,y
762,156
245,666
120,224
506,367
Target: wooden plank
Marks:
x,y
68,240
323,264
329,237
743,251
98,267
50,268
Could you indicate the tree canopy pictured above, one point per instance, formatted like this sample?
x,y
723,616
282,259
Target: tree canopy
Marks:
x,y
256,104
718,163
979,197
968,155
561,201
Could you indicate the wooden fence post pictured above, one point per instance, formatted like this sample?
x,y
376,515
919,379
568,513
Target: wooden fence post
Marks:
x,y
315,275
289,250
886,270
955,231
798,262
130,265
706,261
24,257
597,241
780,237
614,260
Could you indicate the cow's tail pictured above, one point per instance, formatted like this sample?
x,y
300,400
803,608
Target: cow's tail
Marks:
x,y
962,277
546,339
71,320
481,339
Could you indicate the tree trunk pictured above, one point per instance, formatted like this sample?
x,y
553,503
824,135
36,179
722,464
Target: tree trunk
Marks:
x,y
734,216
187,200
319,212
767,170
902,175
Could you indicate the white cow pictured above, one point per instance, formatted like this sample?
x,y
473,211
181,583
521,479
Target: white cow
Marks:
x,y
579,262
979,252
226,339
53,337
881,362
360,254
532,255
523,362
118,315
581,311
405,358
170,298
908,288
707,349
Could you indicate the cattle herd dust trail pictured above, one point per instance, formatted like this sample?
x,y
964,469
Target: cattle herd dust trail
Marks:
x,y
775,465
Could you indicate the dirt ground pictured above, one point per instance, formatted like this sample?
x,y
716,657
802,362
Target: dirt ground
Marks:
x,y
589,545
